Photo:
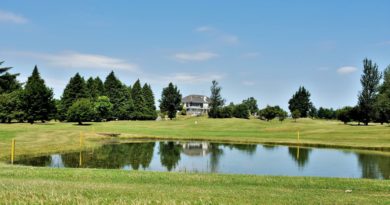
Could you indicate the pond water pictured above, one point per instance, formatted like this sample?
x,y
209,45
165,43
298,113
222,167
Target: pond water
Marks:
x,y
224,158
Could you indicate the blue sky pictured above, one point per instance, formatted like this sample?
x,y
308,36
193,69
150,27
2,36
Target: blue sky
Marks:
x,y
264,49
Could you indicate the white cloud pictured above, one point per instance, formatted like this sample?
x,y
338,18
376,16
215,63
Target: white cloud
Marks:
x,y
80,60
205,29
9,17
248,83
218,34
188,78
198,56
346,70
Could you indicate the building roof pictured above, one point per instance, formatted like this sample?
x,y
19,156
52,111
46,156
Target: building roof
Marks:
x,y
196,99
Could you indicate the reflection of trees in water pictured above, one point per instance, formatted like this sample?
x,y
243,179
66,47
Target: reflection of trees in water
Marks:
x,y
42,161
269,147
374,166
301,158
170,154
215,154
113,156
247,148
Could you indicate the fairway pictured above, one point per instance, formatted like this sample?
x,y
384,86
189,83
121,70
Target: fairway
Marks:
x,y
62,137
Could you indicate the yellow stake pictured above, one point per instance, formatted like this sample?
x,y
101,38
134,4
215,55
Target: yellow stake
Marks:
x,y
298,135
298,153
81,160
81,139
12,151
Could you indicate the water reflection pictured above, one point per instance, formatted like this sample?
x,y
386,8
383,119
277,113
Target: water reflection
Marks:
x,y
223,158
300,155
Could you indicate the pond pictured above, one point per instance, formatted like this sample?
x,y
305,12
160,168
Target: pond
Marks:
x,y
224,158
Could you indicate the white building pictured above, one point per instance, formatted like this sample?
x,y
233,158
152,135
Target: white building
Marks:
x,y
196,104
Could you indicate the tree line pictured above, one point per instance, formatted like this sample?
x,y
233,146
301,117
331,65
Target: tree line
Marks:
x,y
82,100
95,100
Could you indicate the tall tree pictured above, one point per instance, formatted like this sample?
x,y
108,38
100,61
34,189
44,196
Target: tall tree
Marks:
x,y
37,99
370,86
138,101
170,100
216,100
74,90
382,105
300,101
151,113
99,86
92,89
118,95
251,103
8,82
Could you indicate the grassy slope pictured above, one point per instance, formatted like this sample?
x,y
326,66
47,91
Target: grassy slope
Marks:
x,y
81,186
55,137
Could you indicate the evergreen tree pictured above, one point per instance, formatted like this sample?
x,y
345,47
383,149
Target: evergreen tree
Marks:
x,y
170,100
37,99
151,113
10,107
74,90
137,95
99,86
118,95
216,100
8,82
92,89
300,101
251,103
370,84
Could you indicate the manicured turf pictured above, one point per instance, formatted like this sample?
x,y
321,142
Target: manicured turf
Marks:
x,y
81,186
91,186
61,137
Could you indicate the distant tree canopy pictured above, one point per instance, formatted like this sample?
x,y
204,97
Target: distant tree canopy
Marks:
x,y
170,101
326,113
300,101
82,110
216,100
251,103
271,112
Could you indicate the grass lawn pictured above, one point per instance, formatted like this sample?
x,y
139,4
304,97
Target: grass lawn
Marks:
x,y
61,137
81,186
94,186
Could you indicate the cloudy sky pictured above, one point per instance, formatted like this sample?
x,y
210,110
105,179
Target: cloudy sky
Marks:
x,y
264,49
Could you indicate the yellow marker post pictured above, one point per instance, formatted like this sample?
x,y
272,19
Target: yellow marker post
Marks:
x,y
12,151
80,160
298,153
298,135
81,139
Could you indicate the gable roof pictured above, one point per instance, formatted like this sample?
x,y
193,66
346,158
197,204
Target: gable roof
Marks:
x,y
196,99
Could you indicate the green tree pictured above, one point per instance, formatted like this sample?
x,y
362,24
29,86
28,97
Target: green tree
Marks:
x,y
103,108
295,115
118,95
81,111
74,90
326,113
151,113
282,115
37,99
370,87
92,89
241,111
170,101
344,114
300,101
99,86
271,112
10,107
382,104
313,112
251,103
8,82
216,100
140,109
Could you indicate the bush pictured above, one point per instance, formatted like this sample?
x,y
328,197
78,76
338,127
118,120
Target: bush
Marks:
x,y
241,111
